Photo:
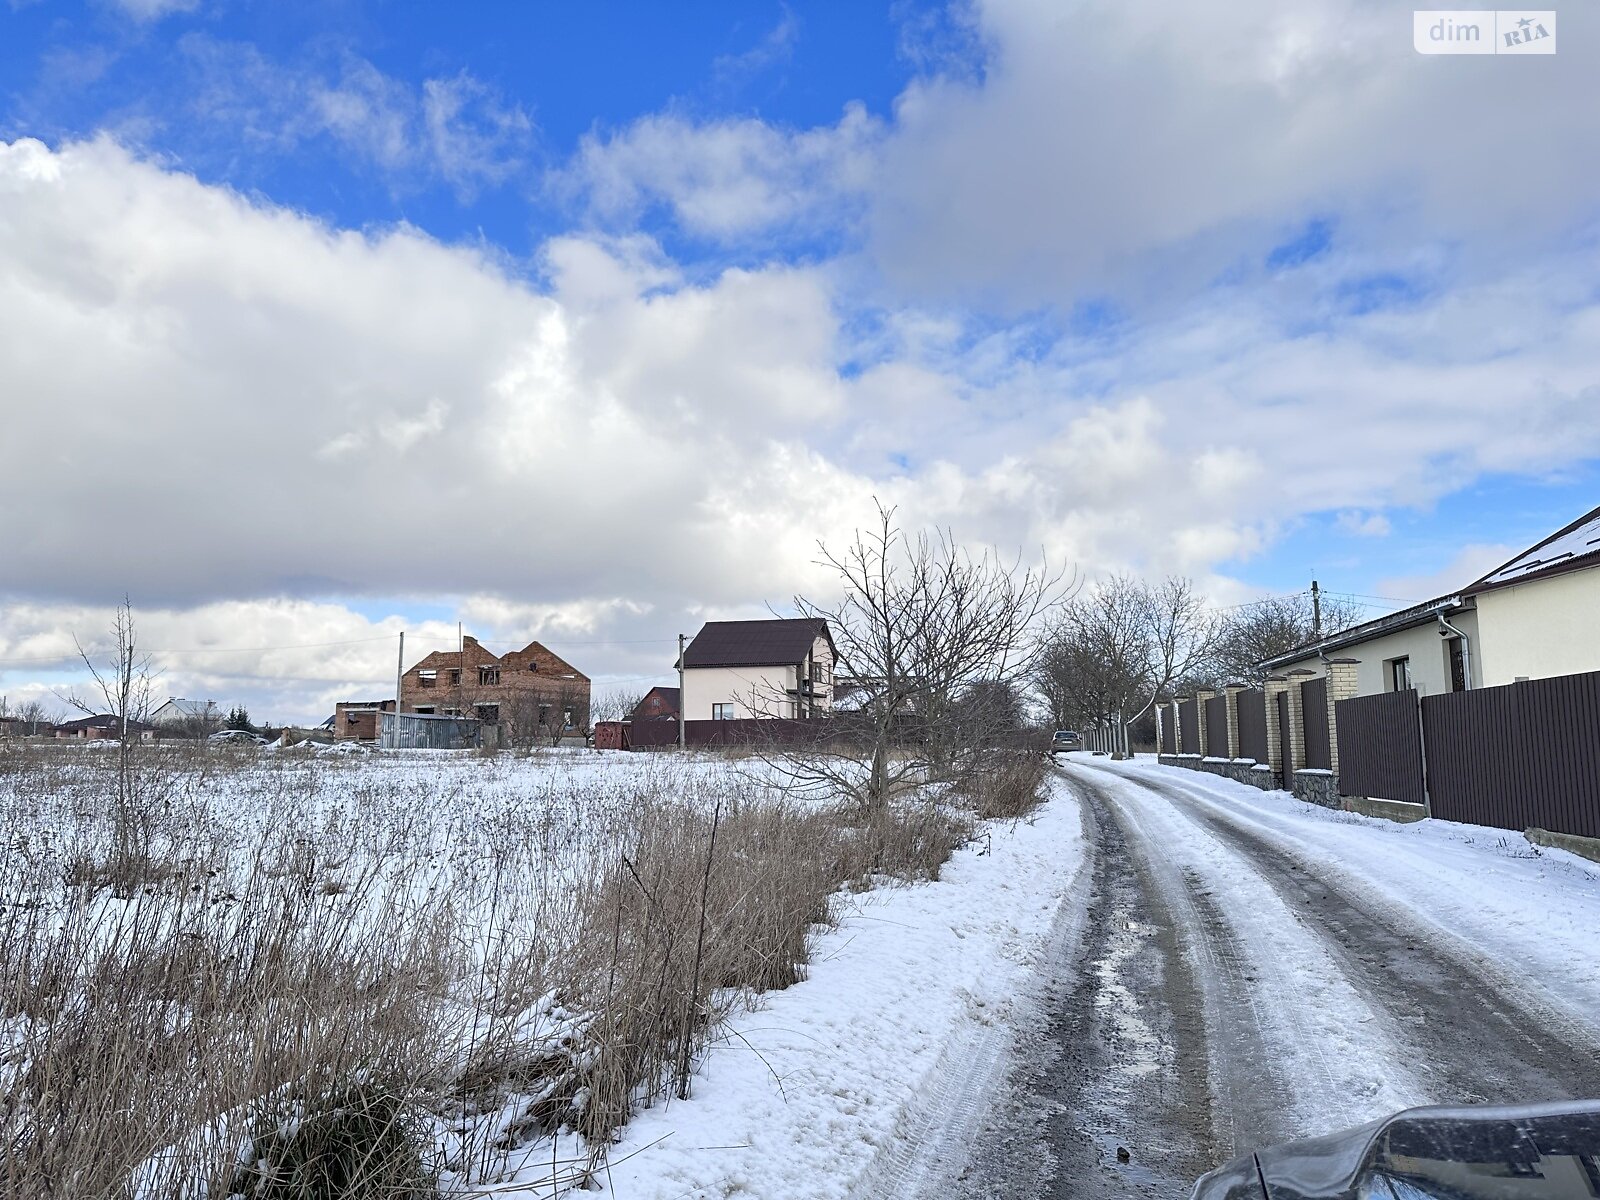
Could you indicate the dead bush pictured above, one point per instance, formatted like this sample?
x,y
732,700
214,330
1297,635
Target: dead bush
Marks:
x,y
358,1139
1004,784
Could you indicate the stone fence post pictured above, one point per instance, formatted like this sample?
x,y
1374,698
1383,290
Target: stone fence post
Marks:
x,y
1201,695
1231,691
1341,686
1297,724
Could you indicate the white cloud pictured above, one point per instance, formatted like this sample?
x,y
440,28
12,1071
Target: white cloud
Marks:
x,y
154,10
454,129
251,421
1467,565
725,179
1367,525
1148,148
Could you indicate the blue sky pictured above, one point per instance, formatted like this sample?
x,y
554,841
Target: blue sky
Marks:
x,y
587,322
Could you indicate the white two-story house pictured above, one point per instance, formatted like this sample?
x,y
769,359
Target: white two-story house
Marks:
x,y
776,668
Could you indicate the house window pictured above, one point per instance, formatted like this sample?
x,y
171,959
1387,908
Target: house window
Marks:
x,y
722,712
455,677
427,679
532,666
544,716
566,715
423,710
452,712
1399,674
1458,665
487,712
819,672
489,676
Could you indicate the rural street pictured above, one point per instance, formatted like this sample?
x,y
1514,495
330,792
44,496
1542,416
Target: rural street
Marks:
x,y
1219,988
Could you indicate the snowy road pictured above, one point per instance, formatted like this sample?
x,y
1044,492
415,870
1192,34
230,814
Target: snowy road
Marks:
x,y
1246,970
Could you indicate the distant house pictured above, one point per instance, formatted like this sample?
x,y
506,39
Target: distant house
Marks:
x,y
532,687
776,668
357,720
180,712
104,726
658,704
1532,617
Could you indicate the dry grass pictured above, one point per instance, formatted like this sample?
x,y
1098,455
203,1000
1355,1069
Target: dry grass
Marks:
x,y
337,983
1006,784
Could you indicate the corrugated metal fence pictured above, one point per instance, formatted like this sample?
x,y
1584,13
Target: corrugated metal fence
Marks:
x,y
1253,725
1217,727
1189,726
1524,754
1285,740
1380,750
1314,715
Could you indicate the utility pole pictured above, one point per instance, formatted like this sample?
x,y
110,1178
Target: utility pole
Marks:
x,y
682,739
1316,611
399,671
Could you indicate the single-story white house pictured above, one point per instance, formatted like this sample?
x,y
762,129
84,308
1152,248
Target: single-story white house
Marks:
x,y
776,668
176,711
1535,616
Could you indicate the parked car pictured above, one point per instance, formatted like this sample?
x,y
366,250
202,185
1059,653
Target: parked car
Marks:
x,y
236,737
1532,1152
1064,740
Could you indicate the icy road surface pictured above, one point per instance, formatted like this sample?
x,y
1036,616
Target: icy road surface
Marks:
x,y
1245,969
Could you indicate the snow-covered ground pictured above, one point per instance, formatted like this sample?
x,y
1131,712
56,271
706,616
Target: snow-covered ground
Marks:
x,y
911,991
1530,915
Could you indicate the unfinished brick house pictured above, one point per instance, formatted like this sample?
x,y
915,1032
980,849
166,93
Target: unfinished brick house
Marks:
x,y
532,692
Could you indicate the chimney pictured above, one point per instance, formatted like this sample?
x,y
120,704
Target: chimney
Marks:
x,y
469,640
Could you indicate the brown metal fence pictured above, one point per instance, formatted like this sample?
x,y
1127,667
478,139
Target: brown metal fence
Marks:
x,y
1253,724
1169,731
1217,726
1285,739
1189,726
1380,747
1524,754
1314,712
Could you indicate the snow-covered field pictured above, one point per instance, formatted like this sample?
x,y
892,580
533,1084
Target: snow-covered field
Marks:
x,y
502,920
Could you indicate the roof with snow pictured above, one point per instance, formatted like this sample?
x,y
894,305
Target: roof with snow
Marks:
x,y
188,708
777,643
1572,548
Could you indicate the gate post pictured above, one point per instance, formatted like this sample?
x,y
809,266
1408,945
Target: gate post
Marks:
x,y
1341,686
1231,704
1275,686
1201,695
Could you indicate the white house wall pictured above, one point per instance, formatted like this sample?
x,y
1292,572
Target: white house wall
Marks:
x,y
1544,627
753,691
1429,654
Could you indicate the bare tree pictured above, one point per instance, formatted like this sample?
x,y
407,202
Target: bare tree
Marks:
x,y
922,625
1253,633
617,704
124,684
1116,650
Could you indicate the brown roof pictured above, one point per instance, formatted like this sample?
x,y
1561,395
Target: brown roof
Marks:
x,y
776,643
